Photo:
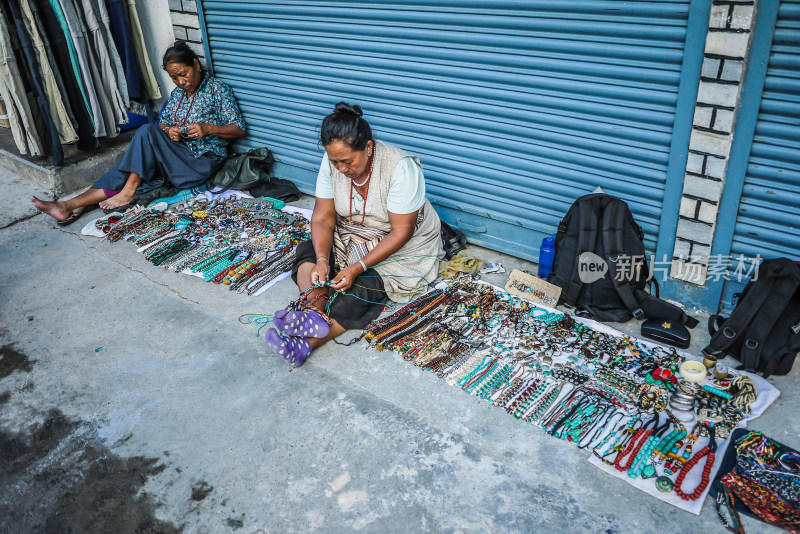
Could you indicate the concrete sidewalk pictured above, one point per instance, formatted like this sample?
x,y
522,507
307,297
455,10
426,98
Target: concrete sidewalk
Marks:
x,y
133,400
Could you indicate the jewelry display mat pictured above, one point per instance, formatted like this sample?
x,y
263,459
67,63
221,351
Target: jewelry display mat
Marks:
x,y
91,230
767,394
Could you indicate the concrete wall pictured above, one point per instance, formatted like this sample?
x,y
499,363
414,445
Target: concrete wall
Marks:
x,y
186,25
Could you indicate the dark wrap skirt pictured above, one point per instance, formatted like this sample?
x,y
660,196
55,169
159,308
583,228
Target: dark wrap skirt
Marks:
x,y
154,157
362,303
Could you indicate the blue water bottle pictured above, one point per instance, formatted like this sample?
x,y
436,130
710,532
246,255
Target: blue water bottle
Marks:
x,y
547,253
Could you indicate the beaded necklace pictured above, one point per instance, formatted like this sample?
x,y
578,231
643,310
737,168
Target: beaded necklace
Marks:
x,y
188,111
366,193
709,453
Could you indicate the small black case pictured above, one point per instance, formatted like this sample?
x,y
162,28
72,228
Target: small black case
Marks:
x,y
674,334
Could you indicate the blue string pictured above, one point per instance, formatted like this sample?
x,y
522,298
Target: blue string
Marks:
x,y
256,320
328,283
385,303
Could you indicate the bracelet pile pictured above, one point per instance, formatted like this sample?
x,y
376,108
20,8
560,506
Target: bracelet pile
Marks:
x,y
240,243
766,480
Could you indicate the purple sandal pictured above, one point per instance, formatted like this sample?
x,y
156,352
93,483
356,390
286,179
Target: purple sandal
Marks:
x,y
294,350
301,323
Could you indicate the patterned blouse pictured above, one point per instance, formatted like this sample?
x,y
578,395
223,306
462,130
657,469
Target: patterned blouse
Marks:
x,y
213,103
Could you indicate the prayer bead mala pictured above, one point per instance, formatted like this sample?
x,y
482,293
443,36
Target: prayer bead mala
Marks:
x,y
709,453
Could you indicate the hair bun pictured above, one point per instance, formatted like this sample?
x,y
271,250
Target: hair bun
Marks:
x,y
344,107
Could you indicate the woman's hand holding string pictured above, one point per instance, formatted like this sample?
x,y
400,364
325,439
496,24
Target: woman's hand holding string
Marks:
x,y
173,132
198,130
320,272
346,277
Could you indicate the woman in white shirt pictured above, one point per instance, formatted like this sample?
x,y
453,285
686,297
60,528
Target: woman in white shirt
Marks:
x,y
374,238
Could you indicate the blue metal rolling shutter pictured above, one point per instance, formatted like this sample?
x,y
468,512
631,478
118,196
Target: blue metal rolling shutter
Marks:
x,y
515,107
768,220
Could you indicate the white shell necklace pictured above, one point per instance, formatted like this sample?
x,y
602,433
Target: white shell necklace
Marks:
x,y
371,164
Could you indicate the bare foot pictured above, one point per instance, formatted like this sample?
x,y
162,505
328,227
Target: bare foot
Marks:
x,y
120,199
54,209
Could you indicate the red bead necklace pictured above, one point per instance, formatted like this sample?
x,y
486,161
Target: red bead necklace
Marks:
x,y
632,449
366,194
188,111
707,451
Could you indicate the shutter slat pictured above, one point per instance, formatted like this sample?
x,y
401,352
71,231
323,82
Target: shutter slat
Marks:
x,y
516,108
768,221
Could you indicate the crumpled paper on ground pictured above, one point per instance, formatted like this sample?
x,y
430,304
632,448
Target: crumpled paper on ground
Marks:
x,y
462,263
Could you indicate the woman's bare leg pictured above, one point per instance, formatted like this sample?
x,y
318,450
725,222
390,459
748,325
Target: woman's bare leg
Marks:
x,y
124,197
335,331
61,210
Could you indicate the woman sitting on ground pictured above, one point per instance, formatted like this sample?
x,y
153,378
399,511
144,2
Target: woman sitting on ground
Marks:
x,y
186,146
372,230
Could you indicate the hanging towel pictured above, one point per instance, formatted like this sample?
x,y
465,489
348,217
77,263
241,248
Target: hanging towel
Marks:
x,y
73,87
145,68
38,85
121,31
14,94
52,89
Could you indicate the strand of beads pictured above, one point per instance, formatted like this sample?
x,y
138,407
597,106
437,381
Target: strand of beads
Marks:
x,y
640,437
268,275
707,452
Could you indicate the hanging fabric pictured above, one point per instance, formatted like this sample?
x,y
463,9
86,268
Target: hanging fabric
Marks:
x,y
42,30
104,19
14,94
110,114
59,113
121,32
101,49
78,40
38,86
73,87
142,58
88,98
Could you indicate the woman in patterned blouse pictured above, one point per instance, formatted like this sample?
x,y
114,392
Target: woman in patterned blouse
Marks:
x,y
186,146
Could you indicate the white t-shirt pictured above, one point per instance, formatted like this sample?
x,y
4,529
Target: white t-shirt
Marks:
x,y
406,189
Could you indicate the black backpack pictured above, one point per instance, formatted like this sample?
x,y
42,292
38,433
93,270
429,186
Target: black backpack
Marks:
x,y
602,225
763,332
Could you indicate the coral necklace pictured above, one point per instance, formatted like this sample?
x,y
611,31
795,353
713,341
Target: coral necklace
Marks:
x,y
188,111
366,194
707,451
